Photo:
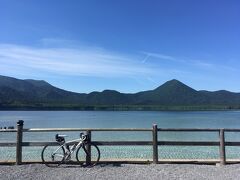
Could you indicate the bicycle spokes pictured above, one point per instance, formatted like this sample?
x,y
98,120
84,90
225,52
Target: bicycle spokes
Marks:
x,y
51,156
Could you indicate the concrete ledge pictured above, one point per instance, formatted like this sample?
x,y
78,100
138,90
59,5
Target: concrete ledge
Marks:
x,y
141,161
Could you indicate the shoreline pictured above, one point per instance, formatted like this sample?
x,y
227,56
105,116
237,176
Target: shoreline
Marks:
x,y
134,110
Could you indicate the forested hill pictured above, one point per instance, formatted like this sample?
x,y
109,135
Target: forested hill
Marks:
x,y
172,95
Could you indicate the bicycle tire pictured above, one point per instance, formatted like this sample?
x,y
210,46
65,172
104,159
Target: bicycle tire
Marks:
x,y
95,155
50,159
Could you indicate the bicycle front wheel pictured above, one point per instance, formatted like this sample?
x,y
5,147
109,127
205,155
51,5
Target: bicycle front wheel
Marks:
x,y
52,156
82,153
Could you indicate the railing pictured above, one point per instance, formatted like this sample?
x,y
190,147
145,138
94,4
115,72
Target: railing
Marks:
x,y
154,143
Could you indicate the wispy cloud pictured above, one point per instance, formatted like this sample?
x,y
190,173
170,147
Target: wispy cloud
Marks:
x,y
54,59
81,61
200,64
156,55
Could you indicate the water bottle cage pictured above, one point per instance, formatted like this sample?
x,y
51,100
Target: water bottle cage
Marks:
x,y
73,147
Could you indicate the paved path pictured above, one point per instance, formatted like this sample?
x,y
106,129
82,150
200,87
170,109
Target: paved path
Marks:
x,y
122,171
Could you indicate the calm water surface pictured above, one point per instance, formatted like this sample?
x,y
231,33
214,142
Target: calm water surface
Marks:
x,y
126,119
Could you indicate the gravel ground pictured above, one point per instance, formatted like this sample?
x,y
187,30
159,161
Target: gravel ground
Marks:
x,y
121,171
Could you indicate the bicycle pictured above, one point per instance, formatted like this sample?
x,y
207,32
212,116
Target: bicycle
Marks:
x,y
53,157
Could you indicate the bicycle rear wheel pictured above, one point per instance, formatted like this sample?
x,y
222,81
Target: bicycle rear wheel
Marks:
x,y
52,156
82,153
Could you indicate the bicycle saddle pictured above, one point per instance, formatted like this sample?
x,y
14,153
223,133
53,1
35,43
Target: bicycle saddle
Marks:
x,y
60,138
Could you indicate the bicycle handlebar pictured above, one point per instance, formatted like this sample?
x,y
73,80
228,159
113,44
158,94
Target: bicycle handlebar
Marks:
x,y
83,136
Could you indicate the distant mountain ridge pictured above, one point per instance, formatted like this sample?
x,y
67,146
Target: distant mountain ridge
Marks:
x,y
39,94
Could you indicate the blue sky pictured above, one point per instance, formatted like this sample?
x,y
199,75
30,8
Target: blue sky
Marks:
x,y
127,45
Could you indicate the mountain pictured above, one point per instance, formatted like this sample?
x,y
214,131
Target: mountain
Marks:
x,y
14,90
172,92
222,97
107,97
38,94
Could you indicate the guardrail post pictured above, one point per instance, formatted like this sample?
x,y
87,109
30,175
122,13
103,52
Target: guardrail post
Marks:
x,y
19,142
88,148
155,144
222,147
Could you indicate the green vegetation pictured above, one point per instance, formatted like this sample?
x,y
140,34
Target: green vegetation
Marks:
x,y
173,95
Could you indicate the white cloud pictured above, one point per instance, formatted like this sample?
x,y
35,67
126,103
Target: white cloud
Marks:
x,y
96,62
157,55
81,61
196,64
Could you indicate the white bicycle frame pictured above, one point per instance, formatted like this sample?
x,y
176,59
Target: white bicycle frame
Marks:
x,y
70,150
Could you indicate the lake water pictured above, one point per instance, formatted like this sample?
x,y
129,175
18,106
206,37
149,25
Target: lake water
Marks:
x,y
125,119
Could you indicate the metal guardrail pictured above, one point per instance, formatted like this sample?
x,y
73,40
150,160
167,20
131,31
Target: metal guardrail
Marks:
x,y
154,143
